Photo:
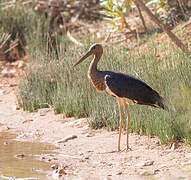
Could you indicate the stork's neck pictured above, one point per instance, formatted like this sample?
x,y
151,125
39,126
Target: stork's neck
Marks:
x,y
96,76
93,65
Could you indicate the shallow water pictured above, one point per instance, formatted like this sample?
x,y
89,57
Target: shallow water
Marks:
x,y
23,167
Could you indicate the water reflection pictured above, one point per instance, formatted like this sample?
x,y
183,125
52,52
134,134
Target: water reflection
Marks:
x,y
19,159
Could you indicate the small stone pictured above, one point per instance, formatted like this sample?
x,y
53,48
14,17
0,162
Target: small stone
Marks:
x,y
12,85
42,112
17,107
147,172
2,92
173,146
20,156
137,157
85,128
110,164
5,143
86,157
119,173
162,166
89,135
8,128
54,166
61,171
20,64
67,138
145,163
157,142
43,158
148,163
95,163
81,153
89,151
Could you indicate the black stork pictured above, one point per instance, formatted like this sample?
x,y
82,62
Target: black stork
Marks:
x,y
124,87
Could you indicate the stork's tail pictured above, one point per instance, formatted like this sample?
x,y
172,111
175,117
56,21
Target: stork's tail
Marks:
x,y
160,103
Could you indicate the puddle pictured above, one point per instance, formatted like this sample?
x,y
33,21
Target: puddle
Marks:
x,y
14,164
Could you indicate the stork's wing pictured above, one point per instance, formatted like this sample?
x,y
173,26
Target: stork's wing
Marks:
x,y
129,87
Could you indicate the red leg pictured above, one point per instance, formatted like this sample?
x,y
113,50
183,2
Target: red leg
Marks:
x,y
128,120
121,122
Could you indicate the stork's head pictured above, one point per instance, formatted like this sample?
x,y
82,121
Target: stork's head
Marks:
x,y
95,49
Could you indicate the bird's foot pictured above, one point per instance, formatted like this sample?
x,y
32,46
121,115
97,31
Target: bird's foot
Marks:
x,y
126,149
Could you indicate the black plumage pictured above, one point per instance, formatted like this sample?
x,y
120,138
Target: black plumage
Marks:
x,y
125,86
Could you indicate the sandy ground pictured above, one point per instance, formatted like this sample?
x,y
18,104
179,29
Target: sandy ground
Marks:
x,y
90,156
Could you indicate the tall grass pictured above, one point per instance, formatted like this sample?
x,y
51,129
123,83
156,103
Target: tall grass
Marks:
x,y
69,91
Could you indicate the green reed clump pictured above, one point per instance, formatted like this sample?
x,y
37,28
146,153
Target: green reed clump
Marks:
x,y
53,82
